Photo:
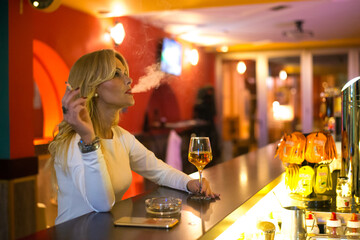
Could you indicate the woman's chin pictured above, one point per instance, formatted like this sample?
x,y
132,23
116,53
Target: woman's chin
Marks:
x,y
132,103
129,104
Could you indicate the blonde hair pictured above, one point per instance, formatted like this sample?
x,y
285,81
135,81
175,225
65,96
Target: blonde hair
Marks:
x,y
88,72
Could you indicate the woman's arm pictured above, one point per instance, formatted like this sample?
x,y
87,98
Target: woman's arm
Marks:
x,y
145,163
90,176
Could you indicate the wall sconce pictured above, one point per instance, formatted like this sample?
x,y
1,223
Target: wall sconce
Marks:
x,y
117,33
192,56
241,67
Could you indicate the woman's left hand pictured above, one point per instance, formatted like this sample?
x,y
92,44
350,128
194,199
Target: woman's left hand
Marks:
x,y
194,187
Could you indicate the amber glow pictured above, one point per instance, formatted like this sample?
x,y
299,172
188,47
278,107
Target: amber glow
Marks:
x,y
50,73
107,37
282,112
136,186
266,208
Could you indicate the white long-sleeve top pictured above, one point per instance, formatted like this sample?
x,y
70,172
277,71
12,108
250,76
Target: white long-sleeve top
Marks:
x,y
96,180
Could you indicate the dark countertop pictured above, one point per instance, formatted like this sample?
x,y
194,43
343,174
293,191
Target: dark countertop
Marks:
x,y
237,180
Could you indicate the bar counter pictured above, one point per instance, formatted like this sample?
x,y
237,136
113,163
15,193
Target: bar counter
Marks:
x,y
237,180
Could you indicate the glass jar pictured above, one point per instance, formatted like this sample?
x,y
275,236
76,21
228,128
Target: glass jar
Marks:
x,y
311,224
333,226
343,194
353,226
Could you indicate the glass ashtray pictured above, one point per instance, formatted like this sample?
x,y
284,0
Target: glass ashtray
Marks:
x,y
163,206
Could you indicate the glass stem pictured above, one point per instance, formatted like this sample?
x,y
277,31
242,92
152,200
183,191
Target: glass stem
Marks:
x,y
200,180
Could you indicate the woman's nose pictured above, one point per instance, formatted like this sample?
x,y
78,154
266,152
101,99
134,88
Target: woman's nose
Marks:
x,y
128,80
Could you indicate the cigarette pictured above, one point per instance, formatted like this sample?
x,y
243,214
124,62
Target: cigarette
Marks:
x,y
68,86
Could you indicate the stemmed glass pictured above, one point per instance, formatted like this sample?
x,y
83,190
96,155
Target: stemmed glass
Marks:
x,y
200,155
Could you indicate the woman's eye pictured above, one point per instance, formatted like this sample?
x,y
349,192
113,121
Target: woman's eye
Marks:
x,y
118,74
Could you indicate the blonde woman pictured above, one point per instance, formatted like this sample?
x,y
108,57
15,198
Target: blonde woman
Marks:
x,y
92,155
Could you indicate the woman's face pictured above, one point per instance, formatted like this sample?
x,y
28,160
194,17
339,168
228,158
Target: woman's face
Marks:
x,y
116,93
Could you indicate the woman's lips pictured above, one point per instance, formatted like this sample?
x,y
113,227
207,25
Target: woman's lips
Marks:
x,y
128,92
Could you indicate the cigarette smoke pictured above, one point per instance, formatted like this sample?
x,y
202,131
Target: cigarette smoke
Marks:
x,y
152,79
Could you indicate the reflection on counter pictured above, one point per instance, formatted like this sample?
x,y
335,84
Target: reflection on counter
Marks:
x,y
266,209
289,216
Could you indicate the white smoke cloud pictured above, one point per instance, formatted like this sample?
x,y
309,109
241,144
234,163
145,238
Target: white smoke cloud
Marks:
x,y
152,79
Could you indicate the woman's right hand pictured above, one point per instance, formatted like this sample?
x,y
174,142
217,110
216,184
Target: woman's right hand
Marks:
x,y
77,116
194,187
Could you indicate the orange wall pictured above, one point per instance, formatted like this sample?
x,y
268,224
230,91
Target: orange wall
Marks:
x,y
72,33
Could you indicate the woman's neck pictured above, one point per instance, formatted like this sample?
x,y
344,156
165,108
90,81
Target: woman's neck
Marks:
x,y
107,120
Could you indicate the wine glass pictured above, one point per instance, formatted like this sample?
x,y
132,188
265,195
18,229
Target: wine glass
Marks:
x,y
200,155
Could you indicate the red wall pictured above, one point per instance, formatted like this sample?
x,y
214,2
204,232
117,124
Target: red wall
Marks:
x,y
20,82
72,33
140,49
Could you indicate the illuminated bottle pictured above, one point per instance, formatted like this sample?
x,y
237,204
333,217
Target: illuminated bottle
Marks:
x,y
343,194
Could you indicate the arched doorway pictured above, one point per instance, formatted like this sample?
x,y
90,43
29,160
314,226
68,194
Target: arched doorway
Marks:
x,y
50,73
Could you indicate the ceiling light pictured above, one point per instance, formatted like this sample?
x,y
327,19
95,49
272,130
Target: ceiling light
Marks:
x,y
36,4
298,33
45,5
118,10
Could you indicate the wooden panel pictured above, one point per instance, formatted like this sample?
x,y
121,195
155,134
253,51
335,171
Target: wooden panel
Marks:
x,y
17,207
24,206
4,206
